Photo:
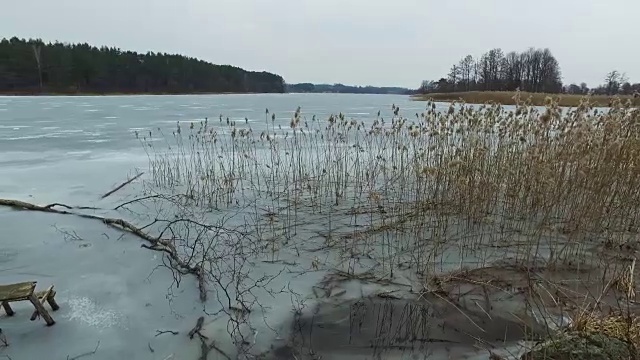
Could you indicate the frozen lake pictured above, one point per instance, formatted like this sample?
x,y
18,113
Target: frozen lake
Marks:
x,y
69,145
296,260
73,150
65,137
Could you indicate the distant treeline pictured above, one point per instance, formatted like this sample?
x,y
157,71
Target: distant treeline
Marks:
x,y
32,66
344,89
535,70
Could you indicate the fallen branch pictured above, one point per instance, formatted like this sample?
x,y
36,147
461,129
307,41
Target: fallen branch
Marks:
x,y
147,198
160,332
157,243
72,207
21,205
196,329
85,354
204,347
122,185
137,200
207,348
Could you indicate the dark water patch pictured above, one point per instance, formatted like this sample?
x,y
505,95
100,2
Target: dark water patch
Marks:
x,y
378,328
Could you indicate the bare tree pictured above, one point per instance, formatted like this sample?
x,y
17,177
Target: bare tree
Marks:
x,y
574,89
442,85
584,89
466,67
612,82
490,66
550,77
535,70
427,86
454,76
511,71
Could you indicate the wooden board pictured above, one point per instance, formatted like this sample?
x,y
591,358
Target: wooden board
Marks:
x,y
41,310
43,298
40,294
17,292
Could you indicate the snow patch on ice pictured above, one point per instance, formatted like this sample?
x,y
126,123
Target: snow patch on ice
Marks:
x,y
85,310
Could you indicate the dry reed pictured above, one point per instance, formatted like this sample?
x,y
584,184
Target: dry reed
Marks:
x,y
536,99
468,177
440,191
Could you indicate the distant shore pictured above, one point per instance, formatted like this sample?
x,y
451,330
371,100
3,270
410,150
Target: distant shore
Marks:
x,y
537,99
83,93
168,93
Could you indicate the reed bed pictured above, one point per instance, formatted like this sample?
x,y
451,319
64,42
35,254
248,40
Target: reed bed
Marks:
x,y
428,192
538,99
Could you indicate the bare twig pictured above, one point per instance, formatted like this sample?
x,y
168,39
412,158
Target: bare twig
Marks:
x,y
122,185
156,196
196,329
212,346
204,347
160,332
85,354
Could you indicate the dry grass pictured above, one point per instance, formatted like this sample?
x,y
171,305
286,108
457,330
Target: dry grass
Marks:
x,y
622,327
535,99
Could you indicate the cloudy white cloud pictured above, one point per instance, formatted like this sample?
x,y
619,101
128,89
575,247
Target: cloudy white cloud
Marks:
x,y
390,42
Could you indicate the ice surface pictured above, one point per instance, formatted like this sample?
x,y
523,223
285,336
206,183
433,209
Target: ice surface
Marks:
x,y
111,291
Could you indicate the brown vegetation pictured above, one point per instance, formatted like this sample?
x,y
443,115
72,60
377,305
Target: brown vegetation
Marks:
x,y
535,99
555,192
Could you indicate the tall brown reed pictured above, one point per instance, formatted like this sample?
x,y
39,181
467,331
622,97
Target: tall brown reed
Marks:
x,y
443,189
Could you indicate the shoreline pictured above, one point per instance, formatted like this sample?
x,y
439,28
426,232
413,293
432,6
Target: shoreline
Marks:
x,y
20,94
536,99
172,94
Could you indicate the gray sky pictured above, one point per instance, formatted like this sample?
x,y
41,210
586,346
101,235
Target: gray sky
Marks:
x,y
376,42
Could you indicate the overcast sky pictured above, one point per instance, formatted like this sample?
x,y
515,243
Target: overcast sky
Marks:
x,y
376,42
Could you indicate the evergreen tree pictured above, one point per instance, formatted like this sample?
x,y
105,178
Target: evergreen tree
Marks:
x,y
31,66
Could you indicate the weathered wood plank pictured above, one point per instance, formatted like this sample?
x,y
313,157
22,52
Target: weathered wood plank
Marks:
x,y
17,292
7,308
40,294
52,301
41,299
41,310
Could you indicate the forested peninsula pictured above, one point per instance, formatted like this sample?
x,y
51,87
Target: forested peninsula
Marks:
x,y
35,67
